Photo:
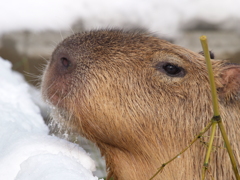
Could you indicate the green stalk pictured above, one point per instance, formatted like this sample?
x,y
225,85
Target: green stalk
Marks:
x,y
210,74
229,149
210,144
214,102
216,118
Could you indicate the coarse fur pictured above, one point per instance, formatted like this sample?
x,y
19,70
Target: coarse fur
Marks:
x,y
107,86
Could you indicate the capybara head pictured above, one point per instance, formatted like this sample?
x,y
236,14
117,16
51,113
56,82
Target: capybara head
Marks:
x,y
142,100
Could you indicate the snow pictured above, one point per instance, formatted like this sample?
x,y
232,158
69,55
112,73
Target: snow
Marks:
x,y
27,152
160,16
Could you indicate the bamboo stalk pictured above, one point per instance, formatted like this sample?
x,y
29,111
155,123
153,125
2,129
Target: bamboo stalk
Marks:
x,y
229,149
210,144
214,102
216,118
210,74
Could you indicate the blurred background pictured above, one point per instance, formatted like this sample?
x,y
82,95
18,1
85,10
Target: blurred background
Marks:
x,y
30,30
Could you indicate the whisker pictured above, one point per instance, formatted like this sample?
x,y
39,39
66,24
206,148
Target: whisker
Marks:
x,y
72,31
61,34
54,81
46,60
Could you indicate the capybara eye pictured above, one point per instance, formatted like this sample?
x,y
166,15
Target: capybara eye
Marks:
x,y
170,69
65,62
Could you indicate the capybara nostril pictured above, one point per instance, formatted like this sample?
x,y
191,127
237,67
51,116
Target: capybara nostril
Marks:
x,y
65,62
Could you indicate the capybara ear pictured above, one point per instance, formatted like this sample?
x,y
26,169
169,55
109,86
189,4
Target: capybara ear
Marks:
x,y
230,80
212,56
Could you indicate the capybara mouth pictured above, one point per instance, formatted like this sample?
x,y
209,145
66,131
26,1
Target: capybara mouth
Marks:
x,y
55,95
56,100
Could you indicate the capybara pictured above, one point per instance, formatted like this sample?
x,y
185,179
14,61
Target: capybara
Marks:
x,y
142,100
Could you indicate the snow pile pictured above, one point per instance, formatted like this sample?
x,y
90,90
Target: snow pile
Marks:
x,y
27,152
160,16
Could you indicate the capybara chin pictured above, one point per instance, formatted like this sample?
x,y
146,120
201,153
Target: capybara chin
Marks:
x,y
142,100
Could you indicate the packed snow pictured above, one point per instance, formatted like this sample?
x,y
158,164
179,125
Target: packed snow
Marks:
x,y
27,152
160,16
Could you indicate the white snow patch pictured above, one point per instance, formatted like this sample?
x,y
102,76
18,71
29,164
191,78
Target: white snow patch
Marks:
x,y
26,149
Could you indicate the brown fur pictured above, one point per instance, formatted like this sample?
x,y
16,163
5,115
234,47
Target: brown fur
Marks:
x,y
137,115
